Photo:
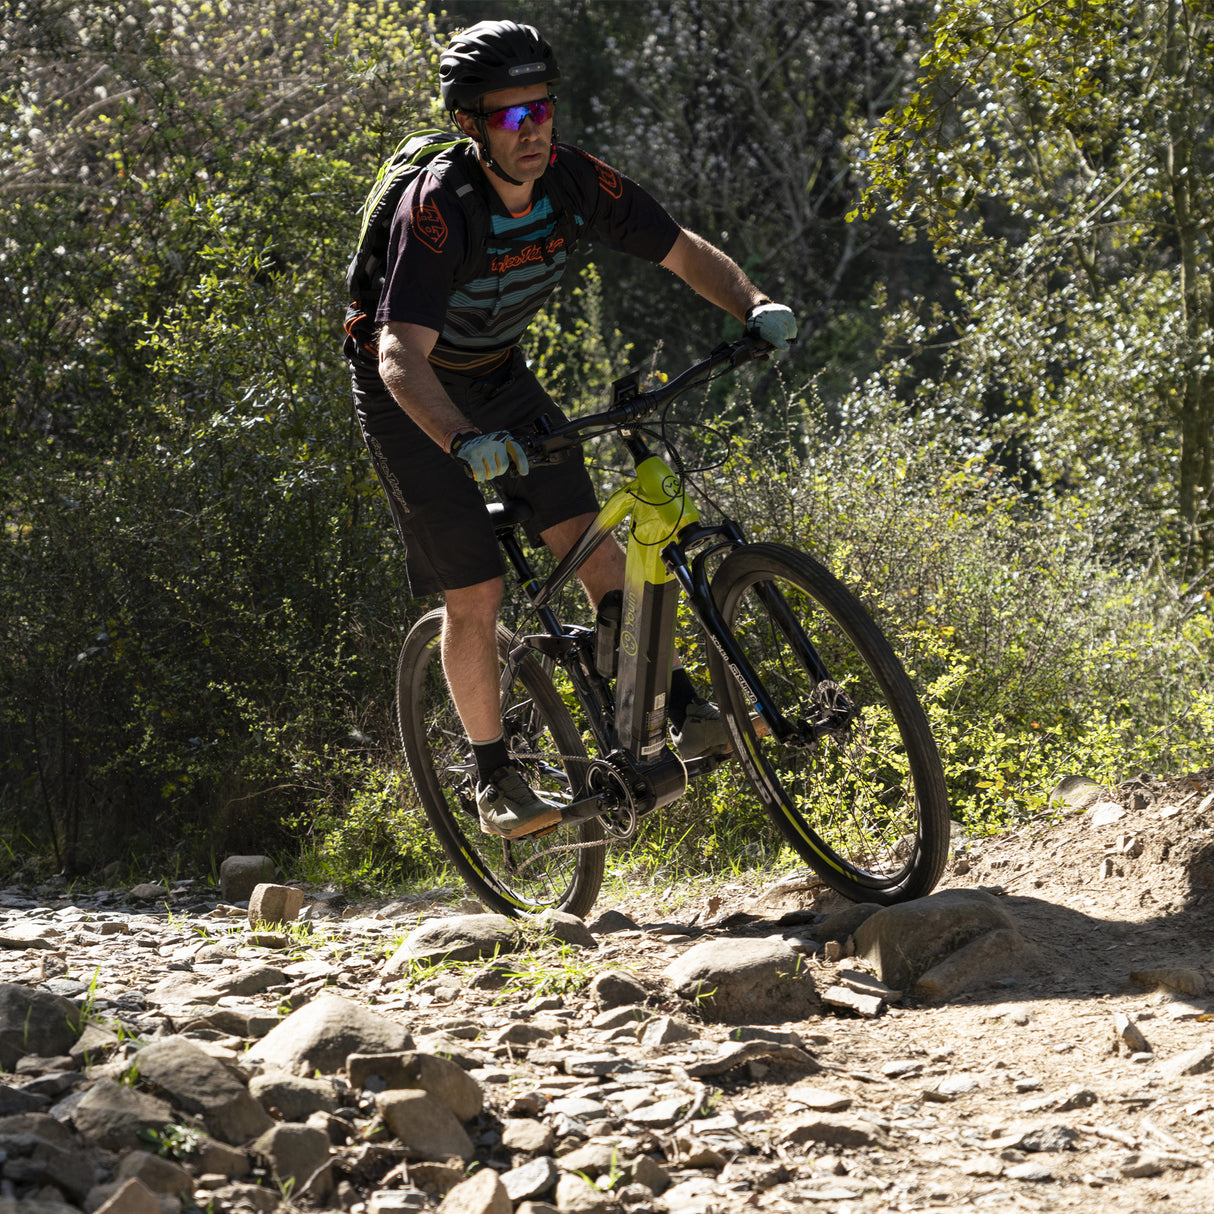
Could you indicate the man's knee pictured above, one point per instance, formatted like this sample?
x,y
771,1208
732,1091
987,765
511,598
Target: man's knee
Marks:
x,y
472,606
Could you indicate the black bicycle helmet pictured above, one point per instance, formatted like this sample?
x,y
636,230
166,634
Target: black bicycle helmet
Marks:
x,y
492,55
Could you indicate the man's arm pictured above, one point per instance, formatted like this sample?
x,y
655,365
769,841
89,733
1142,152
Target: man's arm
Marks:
x,y
713,274
405,368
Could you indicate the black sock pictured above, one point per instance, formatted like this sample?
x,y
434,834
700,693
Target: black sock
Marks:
x,y
682,692
490,756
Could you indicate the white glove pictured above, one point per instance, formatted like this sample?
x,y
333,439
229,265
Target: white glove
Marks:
x,y
489,455
773,322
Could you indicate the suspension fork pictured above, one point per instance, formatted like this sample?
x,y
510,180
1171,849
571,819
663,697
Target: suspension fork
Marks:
x,y
693,577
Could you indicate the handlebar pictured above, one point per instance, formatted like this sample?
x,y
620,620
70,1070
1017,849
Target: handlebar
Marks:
x,y
630,405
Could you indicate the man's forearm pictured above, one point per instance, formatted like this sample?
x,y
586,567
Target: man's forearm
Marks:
x,y
408,375
713,274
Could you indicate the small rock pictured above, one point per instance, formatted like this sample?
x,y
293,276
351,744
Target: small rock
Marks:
x,y
270,905
1196,1061
611,921
1030,1170
665,1030
35,1022
527,1135
297,1155
240,875
906,941
1077,792
198,1083
443,1079
459,938
646,1170
147,892
1129,1035
615,988
568,929
532,1179
159,1175
131,1197
576,1196
746,981
844,999
117,1117
324,1033
294,1097
1185,981
1105,813
426,1127
482,1193
821,1100
834,1132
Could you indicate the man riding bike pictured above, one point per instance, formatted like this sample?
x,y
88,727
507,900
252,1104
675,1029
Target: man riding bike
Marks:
x,y
449,382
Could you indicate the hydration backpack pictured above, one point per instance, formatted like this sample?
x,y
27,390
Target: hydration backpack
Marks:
x,y
441,153
432,150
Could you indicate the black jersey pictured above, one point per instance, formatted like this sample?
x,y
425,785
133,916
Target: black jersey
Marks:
x,y
524,259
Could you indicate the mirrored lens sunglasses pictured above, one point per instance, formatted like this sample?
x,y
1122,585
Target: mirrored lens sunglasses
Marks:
x,y
511,117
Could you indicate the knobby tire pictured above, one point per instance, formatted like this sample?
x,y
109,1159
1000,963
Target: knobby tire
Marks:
x,y
859,792
561,870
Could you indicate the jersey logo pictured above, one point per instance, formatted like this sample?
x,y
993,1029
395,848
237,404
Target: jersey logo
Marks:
x,y
610,181
429,226
526,256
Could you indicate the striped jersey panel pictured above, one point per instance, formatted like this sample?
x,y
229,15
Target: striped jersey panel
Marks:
x,y
524,266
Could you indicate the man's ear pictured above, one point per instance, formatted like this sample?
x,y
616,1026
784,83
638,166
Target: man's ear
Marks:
x,y
466,123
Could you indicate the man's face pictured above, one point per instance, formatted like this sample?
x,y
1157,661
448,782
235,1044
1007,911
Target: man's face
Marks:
x,y
522,153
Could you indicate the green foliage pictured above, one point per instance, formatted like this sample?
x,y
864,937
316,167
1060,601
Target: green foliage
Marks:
x,y
1036,654
197,584
1060,156
373,836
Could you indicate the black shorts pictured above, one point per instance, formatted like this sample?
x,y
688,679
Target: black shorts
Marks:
x,y
438,509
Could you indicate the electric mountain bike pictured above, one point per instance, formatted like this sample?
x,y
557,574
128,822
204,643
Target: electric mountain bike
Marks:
x,y
823,720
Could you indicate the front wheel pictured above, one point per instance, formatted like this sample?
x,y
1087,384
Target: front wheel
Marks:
x,y
559,870
850,772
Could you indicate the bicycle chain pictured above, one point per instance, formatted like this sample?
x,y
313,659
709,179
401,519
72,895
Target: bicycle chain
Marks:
x,y
564,761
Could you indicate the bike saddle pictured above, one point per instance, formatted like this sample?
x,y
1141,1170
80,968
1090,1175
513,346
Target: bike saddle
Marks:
x,y
509,512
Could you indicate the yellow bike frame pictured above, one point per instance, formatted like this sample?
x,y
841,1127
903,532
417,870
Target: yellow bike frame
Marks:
x,y
659,509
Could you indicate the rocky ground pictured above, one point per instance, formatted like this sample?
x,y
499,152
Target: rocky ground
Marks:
x,y
1035,1036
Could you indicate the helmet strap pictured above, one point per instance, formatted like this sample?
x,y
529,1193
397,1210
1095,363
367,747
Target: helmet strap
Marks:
x,y
482,144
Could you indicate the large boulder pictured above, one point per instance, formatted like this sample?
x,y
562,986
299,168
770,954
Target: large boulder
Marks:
x,y
324,1033
746,981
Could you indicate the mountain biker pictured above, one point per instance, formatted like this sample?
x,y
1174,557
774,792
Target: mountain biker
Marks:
x,y
450,381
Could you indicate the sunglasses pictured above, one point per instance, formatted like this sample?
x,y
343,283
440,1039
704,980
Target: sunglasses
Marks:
x,y
512,117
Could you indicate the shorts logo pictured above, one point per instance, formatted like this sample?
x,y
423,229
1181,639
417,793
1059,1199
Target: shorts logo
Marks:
x,y
429,226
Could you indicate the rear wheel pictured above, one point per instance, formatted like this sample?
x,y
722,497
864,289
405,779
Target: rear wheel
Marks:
x,y
855,783
562,869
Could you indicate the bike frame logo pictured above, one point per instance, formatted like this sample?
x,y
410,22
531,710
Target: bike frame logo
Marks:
x,y
628,628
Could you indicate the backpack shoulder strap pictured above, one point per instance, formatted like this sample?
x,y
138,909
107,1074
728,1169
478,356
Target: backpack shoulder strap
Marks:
x,y
456,171
446,158
570,222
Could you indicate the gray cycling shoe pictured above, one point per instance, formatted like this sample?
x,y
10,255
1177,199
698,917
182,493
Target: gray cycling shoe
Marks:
x,y
703,733
508,806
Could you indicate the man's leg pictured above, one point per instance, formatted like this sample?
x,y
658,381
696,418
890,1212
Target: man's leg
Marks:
x,y
470,659
506,803
604,568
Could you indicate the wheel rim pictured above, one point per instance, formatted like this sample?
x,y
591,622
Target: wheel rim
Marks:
x,y
843,781
526,874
